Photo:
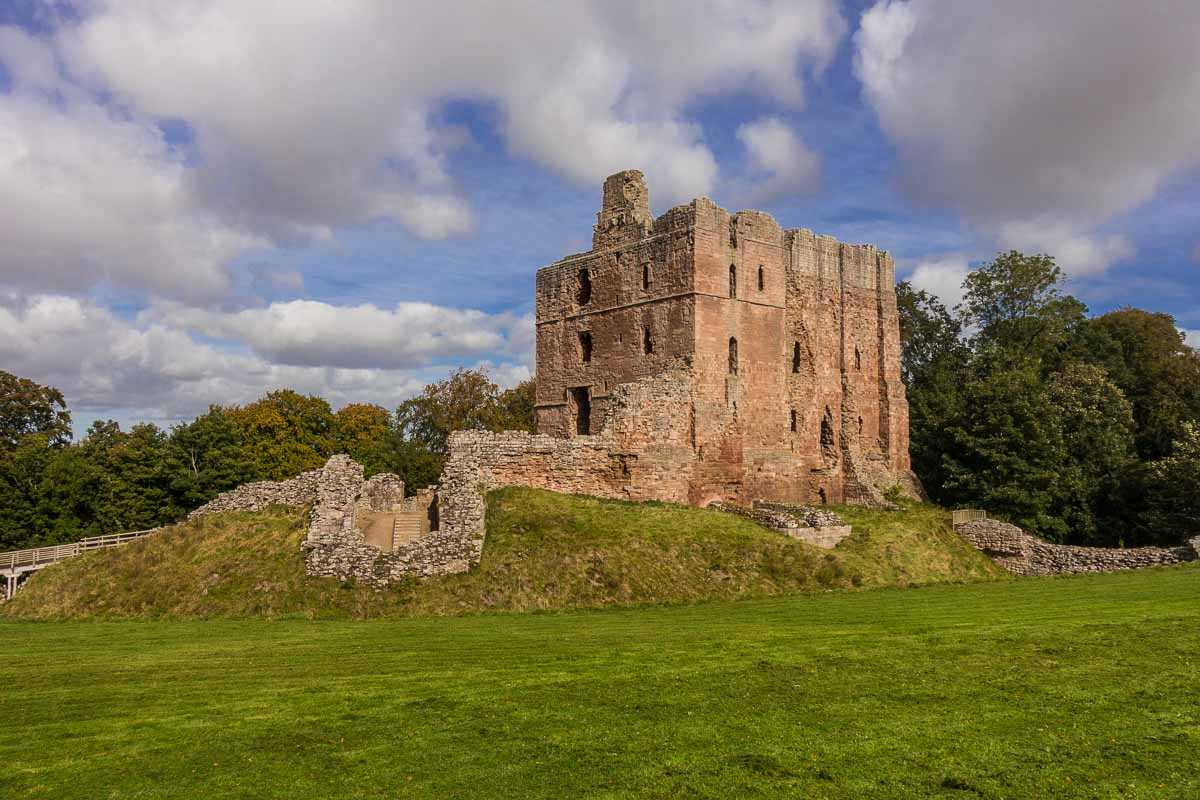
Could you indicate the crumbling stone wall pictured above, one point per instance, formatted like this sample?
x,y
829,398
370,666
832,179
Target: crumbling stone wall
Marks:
x,y
817,527
298,491
1019,552
789,342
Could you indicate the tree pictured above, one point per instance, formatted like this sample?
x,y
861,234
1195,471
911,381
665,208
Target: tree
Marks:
x,y
286,432
515,407
933,361
360,427
1017,307
208,456
1147,358
1171,490
1096,423
28,408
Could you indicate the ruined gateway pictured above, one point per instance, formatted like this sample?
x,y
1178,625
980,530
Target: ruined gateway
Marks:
x,y
766,361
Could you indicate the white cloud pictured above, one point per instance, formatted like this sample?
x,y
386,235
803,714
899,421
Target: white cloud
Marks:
x,y
1025,114
160,367
1192,337
311,333
1076,253
942,276
329,118
777,155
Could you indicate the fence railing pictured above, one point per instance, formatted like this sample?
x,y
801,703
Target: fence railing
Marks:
x,y
43,556
961,515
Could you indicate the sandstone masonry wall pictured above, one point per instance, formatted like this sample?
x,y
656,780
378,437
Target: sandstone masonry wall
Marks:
x,y
1019,552
298,491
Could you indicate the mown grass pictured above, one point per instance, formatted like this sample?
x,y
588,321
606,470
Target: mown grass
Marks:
x,y
543,551
1081,687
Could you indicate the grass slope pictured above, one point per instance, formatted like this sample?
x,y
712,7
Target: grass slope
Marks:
x,y
1081,687
543,551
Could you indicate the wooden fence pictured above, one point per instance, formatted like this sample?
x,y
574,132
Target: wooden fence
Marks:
x,y
36,557
961,515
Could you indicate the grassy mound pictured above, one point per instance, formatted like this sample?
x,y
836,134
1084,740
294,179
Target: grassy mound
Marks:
x,y
543,551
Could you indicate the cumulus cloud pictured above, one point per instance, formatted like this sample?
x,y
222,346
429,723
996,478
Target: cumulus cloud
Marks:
x,y
286,129
166,368
1028,115
312,333
942,276
1078,254
1192,337
778,158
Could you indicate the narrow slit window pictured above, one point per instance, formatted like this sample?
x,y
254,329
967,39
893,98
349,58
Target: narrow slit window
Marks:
x,y
733,356
857,359
796,357
792,423
732,281
585,346
647,278
585,287
647,340
761,278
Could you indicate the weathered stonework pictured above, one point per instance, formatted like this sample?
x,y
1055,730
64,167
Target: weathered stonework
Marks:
x,y
298,491
812,526
781,350
1019,552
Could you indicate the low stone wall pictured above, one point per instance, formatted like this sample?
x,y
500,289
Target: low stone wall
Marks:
x,y
813,526
298,491
1019,552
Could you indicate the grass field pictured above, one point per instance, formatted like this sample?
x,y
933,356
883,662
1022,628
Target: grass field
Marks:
x,y
543,550
1082,687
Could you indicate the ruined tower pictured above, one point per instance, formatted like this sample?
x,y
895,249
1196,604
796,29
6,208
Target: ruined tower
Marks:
x,y
723,357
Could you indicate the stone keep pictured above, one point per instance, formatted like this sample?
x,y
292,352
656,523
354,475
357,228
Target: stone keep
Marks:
x,y
768,360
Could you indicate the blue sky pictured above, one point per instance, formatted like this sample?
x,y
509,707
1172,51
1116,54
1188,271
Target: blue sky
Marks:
x,y
204,200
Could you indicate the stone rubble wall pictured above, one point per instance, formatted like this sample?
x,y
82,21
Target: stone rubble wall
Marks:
x,y
1024,554
298,491
817,527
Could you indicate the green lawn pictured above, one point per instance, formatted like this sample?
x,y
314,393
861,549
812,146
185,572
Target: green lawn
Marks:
x,y
1073,687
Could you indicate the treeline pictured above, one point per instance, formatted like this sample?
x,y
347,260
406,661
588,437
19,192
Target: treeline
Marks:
x,y
112,480
1081,429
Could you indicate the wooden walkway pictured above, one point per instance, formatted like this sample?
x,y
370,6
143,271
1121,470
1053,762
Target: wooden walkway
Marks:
x,y
16,564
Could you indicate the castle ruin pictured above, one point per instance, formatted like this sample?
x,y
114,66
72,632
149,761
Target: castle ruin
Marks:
x,y
767,360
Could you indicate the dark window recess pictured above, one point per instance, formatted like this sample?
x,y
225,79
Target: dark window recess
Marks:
x,y
647,278
647,340
860,426
828,448
585,346
583,410
761,282
821,494
793,421
857,359
732,281
432,515
796,357
585,287
733,357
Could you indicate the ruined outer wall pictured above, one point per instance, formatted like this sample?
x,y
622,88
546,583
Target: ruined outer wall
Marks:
x,y
1019,552
298,491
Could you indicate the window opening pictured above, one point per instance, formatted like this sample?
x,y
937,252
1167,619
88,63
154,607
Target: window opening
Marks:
x,y
585,346
585,287
583,410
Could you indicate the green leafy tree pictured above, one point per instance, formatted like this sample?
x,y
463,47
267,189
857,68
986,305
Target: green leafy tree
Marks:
x,y
28,408
287,433
359,428
1017,307
515,408
1171,490
1145,355
206,457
